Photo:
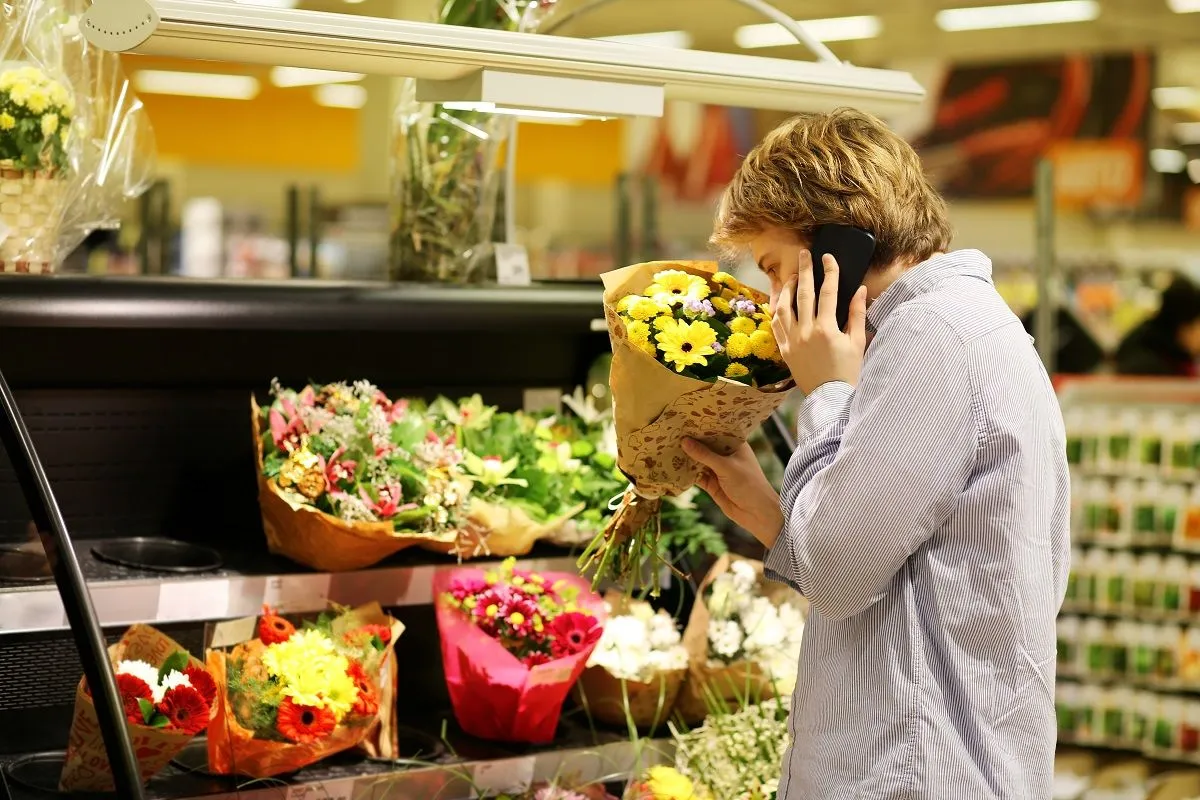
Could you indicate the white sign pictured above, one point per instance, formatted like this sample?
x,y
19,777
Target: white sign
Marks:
x,y
297,593
31,611
192,600
504,776
512,265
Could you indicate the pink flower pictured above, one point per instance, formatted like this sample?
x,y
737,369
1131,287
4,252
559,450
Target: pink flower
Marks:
x,y
395,411
463,588
338,470
573,632
388,505
287,428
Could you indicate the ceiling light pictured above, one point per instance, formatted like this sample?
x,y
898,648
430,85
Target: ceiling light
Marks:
x,y
833,29
1184,6
196,84
530,114
1168,160
544,96
1187,132
340,95
672,40
1193,170
1176,97
286,77
270,3
1017,16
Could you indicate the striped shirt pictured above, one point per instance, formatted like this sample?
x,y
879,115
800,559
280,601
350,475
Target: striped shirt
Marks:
x,y
927,524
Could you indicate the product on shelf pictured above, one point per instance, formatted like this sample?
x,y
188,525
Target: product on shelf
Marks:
x,y
289,697
513,644
743,639
693,356
635,673
168,698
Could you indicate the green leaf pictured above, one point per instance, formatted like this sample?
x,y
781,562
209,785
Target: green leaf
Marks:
x,y
148,710
176,662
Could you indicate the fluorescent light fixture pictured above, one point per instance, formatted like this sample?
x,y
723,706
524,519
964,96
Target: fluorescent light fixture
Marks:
x,y
1184,6
1187,132
196,84
287,77
672,40
833,29
1019,15
1172,161
289,4
1171,98
1193,170
543,96
340,95
522,113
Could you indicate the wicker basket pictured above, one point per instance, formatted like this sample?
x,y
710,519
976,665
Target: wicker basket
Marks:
x,y
30,215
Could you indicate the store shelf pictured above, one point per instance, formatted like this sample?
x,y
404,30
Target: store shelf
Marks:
x,y
124,596
171,303
218,31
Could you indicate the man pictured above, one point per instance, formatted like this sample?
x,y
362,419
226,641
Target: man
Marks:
x,y
1167,344
925,512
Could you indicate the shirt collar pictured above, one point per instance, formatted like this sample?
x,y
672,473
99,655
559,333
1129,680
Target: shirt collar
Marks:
x,y
925,277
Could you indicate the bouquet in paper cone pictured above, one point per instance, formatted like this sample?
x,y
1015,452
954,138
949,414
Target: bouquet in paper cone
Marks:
x,y
167,696
513,644
693,357
348,477
743,640
636,670
288,698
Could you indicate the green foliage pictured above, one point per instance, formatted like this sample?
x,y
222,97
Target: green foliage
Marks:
x,y
255,701
176,662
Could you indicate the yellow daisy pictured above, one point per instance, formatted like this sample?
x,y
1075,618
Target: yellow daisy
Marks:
x,y
736,370
724,279
673,286
743,325
728,294
762,344
738,345
686,343
644,308
721,304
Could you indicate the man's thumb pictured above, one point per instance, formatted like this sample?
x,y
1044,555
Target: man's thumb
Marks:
x,y
700,453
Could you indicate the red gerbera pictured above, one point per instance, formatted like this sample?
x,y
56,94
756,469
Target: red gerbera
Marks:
x,y
272,628
573,633
202,682
367,703
186,709
304,724
133,689
535,658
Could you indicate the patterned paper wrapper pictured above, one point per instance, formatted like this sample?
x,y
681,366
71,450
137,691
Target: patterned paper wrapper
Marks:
x,y
234,750
731,683
85,767
655,408
499,530
494,695
321,541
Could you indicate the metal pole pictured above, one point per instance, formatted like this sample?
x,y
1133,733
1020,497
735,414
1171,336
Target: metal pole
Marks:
x,y
1044,328
89,638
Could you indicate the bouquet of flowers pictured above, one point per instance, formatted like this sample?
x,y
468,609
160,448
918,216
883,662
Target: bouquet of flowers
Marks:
x,y
743,638
693,356
168,698
513,644
288,698
636,670
348,477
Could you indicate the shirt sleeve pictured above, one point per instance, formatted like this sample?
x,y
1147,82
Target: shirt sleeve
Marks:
x,y
879,470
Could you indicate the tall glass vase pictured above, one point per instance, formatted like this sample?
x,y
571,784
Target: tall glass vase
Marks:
x,y
446,168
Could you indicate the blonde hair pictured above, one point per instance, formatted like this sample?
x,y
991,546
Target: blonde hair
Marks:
x,y
844,167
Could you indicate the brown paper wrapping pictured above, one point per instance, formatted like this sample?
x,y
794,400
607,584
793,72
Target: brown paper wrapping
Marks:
x,y
650,704
322,541
85,766
499,530
233,750
655,408
383,738
731,683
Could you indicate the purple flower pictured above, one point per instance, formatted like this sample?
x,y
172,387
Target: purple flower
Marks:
x,y
694,306
718,347
743,306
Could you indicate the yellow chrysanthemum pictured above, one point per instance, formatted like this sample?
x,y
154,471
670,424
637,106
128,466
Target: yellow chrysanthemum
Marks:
x,y
728,294
638,331
39,99
764,324
668,783
649,349
663,321
645,308
673,286
724,279
311,672
743,325
736,369
686,343
738,345
762,344
721,305
7,122
49,124
626,302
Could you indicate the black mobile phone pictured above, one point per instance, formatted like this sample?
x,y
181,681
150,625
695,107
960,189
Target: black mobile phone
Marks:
x,y
853,248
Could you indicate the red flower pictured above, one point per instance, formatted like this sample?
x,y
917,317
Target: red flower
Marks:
x,y
388,505
272,628
338,470
202,682
359,637
304,724
367,703
186,708
287,428
535,658
132,689
573,633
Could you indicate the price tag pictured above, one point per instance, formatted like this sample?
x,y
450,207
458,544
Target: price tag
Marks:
x,y
512,265
505,775
236,631
342,789
31,611
192,600
289,594
545,674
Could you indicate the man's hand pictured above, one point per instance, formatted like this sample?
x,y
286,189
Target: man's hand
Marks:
x,y
813,348
737,485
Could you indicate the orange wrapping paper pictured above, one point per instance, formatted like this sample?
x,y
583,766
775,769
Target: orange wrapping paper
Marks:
x,y
85,767
233,750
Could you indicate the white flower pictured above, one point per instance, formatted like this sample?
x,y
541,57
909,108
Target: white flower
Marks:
x,y
724,637
140,669
636,647
170,681
662,632
721,601
764,631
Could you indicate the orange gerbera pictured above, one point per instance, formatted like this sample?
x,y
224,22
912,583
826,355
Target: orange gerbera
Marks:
x,y
362,635
186,708
304,724
367,704
274,629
